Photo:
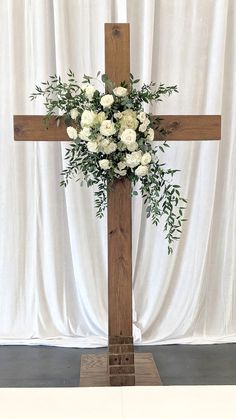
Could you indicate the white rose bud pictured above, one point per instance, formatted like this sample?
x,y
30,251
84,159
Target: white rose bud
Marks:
x,y
104,164
92,146
141,171
87,118
132,147
101,116
111,147
120,172
121,165
83,86
105,143
146,158
120,91
142,116
107,128
150,134
128,120
85,133
142,127
72,133
74,113
89,91
133,159
128,136
106,101
118,115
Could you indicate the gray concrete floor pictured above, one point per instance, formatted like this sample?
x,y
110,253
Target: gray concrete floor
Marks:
x,y
42,366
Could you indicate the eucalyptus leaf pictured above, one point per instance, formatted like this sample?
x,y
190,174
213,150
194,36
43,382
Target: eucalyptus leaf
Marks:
x,y
89,161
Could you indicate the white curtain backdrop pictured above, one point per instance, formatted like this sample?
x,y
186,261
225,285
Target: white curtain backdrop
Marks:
x,y
53,261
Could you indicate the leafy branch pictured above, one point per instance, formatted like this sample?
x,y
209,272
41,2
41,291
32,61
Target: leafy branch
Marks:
x,y
89,160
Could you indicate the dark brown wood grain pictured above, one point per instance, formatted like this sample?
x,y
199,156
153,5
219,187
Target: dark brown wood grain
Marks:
x,y
121,348
117,67
33,128
120,259
191,127
122,380
121,359
121,354
122,369
117,52
182,127
93,372
115,340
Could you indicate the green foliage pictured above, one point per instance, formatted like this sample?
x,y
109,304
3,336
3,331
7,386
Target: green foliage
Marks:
x,y
161,195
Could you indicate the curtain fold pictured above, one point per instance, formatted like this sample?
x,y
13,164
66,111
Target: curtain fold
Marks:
x,y
53,250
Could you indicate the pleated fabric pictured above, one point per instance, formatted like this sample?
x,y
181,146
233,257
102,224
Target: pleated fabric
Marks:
x,y
53,250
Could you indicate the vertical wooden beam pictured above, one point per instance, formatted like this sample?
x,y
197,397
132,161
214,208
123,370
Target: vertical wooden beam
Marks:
x,y
119,259
117,52
121,356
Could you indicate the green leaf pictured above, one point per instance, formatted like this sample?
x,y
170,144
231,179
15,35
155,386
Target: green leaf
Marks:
x,y
161,197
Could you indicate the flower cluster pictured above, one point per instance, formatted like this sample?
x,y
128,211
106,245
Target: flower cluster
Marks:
x,y
119,133
113,138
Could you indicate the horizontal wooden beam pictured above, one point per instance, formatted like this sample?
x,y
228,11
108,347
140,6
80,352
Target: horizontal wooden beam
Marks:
x,y
33,128
191,127
182,127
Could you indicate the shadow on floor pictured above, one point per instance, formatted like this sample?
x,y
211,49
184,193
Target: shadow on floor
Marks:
x,y
44,366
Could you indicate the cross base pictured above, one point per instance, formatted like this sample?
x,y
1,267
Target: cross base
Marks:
x,y
94,371
121,367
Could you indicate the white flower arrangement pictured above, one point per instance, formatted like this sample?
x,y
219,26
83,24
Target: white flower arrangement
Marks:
x,y
113,138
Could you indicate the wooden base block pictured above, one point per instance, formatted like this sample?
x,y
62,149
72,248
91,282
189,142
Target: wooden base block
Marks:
x,y
94,370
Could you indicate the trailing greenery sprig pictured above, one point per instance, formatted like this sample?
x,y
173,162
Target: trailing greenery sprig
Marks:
x,y
113,138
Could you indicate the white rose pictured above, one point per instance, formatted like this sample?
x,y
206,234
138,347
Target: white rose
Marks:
x,y
74,113
100,117
87,118
118,115
133,159
85,133
72,133
121,165
128,136
120,91
104,164
146,158
106,101
105,143
112,147
120,172
141,171
128,120
107,128
89,91
142,127
84,86
99,138
132,147
142,116
150,134
92,146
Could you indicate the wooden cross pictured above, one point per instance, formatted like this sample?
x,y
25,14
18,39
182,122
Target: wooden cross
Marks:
x,y
120,369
